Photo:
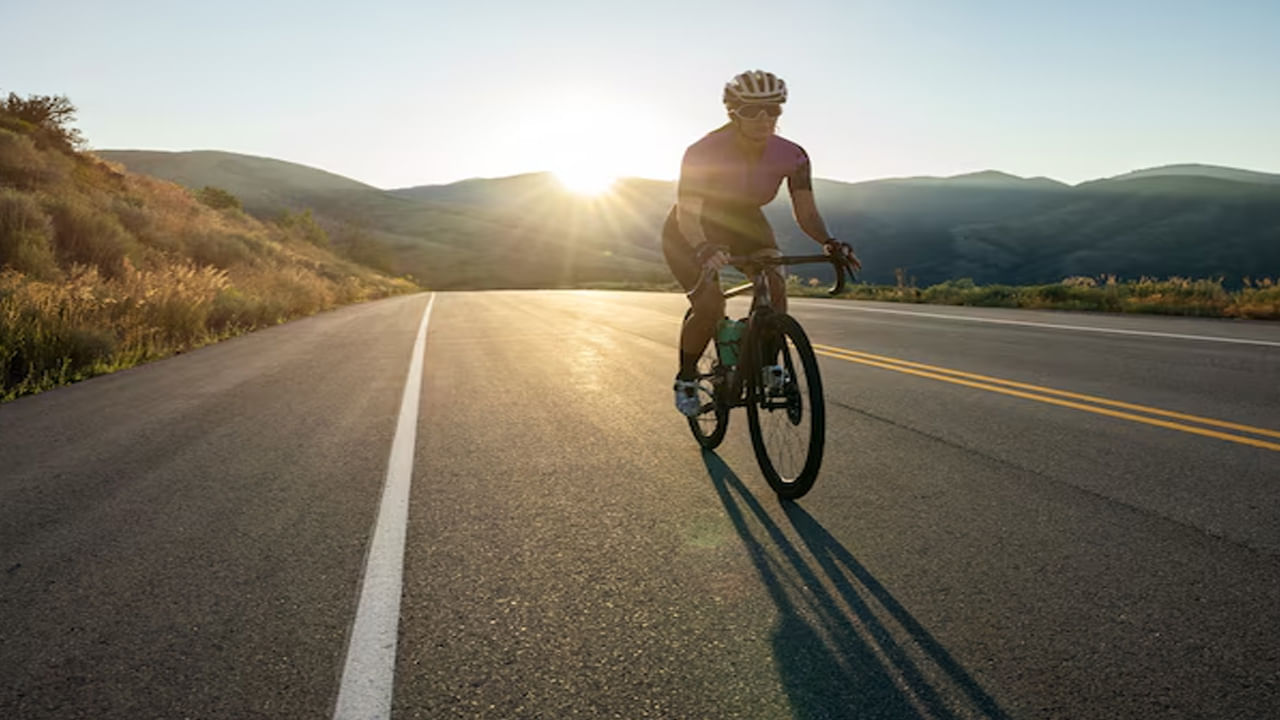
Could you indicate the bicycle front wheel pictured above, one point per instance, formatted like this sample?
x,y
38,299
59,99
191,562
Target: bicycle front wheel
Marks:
x,y
785,410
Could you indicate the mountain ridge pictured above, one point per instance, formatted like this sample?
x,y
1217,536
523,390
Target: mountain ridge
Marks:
x,y
989,225
138,157
1200,170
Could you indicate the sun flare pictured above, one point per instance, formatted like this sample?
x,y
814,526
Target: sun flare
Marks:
x,y
585,180
591,140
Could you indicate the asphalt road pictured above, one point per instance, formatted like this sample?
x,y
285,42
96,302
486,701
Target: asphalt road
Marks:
x,y
1099,540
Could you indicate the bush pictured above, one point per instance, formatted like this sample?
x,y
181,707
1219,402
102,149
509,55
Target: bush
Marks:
x,y
217,198
951,292
218,249
303,225
84,235
993,296
25,236
1177,296
1259,303
23,166
140,222
233,311
299,293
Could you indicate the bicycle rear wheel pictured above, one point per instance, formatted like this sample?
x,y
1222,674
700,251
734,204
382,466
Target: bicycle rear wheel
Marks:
x,y
787,418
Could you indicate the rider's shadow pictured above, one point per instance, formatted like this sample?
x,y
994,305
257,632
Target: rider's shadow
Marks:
x,y
835,663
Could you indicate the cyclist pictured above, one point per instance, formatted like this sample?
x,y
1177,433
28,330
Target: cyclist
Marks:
x,y
725,180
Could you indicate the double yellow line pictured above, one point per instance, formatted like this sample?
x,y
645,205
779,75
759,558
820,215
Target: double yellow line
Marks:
x,y
1076,401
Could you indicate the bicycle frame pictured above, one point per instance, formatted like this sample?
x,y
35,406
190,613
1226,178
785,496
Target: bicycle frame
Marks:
x,y
761,305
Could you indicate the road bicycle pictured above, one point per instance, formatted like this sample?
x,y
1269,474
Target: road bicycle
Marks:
x,y
773,373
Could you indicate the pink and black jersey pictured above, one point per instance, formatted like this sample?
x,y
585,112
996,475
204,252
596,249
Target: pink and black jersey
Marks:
x,y
734,185
717,169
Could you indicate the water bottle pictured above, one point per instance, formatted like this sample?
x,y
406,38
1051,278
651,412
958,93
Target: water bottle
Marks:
x,y
728,334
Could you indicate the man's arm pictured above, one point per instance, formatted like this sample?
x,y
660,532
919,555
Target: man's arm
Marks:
x,y
689,215
806,210
800,183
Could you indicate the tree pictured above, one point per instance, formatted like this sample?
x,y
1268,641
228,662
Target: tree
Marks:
x,y
51,115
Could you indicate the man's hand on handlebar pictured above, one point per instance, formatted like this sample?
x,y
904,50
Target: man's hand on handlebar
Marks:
x,y
712,257
844,250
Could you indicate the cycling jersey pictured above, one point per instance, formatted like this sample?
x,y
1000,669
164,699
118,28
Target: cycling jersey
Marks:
x,y
734,185
719,170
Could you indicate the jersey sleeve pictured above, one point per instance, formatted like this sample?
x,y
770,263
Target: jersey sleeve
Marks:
x,y
801,177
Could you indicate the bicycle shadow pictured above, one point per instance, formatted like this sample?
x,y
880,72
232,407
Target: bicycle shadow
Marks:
x,y
835,663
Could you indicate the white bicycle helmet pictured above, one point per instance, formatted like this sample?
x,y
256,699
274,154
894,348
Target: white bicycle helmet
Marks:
x,y
755,86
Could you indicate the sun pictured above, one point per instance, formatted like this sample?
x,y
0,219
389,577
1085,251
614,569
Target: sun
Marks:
x,y
586,180
590,140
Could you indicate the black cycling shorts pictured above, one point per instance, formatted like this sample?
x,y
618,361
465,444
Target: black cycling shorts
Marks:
x,y
743,229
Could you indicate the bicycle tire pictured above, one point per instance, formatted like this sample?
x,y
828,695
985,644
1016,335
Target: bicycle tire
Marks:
x,y
800,400
709,427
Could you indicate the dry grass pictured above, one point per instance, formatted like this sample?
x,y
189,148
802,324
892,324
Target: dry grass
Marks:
x,y
101,270
1258,299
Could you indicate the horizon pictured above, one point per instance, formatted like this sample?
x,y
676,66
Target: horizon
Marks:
x,y
399,94
552,173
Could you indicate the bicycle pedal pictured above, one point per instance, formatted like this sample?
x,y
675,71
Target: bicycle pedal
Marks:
x,y
775,378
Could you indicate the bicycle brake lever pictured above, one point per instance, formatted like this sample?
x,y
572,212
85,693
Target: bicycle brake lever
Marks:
x,y
840,269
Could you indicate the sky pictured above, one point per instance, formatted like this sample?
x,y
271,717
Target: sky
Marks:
x,y
397,93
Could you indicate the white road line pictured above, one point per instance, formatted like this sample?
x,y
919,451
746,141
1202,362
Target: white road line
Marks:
x,y
1081,328
367,676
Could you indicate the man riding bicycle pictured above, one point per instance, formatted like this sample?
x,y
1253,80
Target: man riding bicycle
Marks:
x,y
725,180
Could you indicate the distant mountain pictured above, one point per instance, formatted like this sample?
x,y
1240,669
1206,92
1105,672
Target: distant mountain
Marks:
x,y
253,177
984,178
525,230
1208,171
484,192
1155,225
510,232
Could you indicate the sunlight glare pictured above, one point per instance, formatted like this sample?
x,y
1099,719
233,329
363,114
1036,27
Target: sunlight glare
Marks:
x,y
585,180
590,141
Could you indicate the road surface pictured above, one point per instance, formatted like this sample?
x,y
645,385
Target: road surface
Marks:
x,y
1021,515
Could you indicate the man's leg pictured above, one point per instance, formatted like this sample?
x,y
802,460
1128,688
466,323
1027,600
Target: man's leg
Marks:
x,y
707,304
700,326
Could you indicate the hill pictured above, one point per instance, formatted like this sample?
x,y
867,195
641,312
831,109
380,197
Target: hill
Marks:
x,y
259,182
1205,171
1185,220
102,269
523,231
1155,225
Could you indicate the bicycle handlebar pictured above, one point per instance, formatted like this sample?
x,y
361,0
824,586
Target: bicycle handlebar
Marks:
x,y
840,265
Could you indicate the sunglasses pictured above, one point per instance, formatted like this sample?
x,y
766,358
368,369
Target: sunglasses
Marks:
x,y
754,111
